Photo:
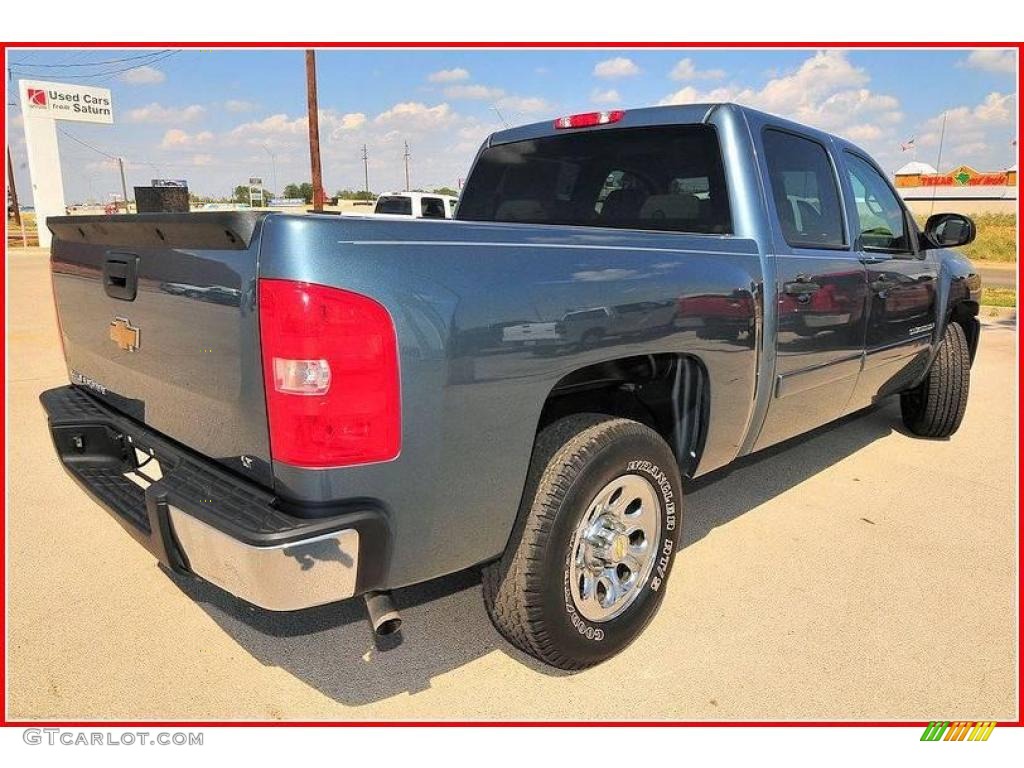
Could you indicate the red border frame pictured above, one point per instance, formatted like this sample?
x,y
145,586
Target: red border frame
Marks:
x,y
803,45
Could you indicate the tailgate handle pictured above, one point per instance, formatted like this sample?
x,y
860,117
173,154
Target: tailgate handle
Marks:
x,y
121,276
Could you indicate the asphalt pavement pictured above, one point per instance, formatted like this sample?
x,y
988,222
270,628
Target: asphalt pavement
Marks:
x,y
854,573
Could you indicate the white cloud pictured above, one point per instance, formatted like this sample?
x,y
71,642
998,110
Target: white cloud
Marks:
x,y
175,138
610,96
993,60
283,130
620,66
969,148
157,113
863,132
239,105
455,75
349,121
480,92
202,160
997,108
143,76
525,104
275,125
977,135
414,116
685,69
826,91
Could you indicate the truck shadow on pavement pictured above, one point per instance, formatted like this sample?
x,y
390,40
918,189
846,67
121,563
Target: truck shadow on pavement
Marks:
x,y
445,625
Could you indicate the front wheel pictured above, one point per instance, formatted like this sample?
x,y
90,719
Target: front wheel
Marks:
x,y
585,569
936,406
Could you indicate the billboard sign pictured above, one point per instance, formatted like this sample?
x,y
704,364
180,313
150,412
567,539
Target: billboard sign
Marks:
x,y
61,101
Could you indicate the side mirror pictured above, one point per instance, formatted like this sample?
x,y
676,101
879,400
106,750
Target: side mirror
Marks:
x,y
949,230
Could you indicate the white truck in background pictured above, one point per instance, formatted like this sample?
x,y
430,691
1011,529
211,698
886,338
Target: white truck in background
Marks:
x,y
418,205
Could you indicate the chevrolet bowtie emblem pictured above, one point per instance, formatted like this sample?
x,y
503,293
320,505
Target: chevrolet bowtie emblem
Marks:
x,y
124,334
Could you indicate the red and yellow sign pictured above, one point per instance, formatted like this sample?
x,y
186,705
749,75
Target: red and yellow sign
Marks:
x,y
964,176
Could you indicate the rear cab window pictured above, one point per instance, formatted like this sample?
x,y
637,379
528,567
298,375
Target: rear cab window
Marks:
x,y
805,191
394,204
665,178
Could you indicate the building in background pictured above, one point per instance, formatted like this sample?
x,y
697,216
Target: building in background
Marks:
x,y
961,190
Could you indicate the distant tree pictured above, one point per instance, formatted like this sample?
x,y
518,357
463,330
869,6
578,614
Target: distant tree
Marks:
x,y
353,194
303,190
446,191
241,194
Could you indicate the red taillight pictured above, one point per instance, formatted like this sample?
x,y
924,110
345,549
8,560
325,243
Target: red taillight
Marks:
x,y
330,366
588,119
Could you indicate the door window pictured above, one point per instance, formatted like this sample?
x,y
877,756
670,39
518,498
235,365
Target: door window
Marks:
x,y
805,191
881,222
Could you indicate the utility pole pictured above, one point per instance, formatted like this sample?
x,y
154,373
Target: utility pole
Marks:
x,y
14,190
314,131
938,161
366,172
124,185
273,166
407,156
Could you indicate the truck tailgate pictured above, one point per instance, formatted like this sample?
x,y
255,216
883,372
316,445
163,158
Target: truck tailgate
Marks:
x,y
157,317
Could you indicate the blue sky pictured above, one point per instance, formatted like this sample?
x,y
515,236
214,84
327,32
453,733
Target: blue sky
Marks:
x,y
217,117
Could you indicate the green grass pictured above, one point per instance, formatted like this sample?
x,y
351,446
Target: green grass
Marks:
x,y
996,241
998,297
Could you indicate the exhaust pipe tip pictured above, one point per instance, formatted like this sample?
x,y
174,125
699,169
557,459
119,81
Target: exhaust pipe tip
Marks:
x,y
384,617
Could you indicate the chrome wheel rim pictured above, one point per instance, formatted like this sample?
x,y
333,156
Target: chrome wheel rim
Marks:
x,y
614,548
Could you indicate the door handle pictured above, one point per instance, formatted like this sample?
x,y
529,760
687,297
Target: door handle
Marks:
x,y
881,285
121,276
802,286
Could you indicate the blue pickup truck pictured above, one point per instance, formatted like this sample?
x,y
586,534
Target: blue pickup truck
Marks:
x,y
302,409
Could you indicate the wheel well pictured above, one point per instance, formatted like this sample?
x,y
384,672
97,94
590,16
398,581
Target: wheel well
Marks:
x,y
965,314
667,392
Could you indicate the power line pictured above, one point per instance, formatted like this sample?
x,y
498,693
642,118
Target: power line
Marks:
x,y
88,63
103,75
85,143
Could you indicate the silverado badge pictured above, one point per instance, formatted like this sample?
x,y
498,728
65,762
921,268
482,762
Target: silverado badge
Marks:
x,y
124,334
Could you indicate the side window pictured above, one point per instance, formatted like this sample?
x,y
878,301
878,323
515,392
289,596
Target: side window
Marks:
x,y
805,192
432,208
881,223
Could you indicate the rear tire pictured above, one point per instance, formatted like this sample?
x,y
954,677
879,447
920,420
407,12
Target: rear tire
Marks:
x,y
601,507
935,408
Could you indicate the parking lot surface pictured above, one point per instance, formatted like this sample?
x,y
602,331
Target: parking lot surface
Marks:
x,y
855,573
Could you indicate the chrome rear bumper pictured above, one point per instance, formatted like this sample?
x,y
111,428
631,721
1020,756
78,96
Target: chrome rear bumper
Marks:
x,y
282,577
197,518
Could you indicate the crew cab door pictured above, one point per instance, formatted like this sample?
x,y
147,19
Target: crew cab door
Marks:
x,y
902,281
820,287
